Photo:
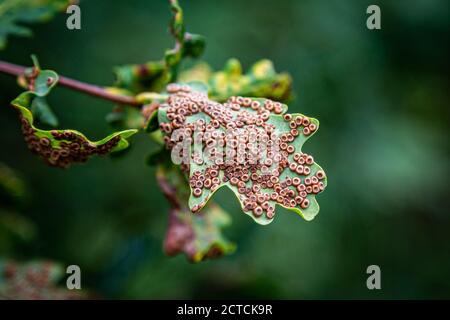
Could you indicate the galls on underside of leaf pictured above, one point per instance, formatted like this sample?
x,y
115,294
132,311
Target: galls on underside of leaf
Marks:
x,y
248,144
72,148
58,148
61,148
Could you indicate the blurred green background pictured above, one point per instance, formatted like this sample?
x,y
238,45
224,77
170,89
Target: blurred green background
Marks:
x,y
383,102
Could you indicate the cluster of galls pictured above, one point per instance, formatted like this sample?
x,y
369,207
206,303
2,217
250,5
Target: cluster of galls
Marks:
x,y
240,146
72,148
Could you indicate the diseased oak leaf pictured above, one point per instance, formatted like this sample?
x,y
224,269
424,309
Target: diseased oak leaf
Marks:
x,y
260,81
250,145
199,236
60,148
15,13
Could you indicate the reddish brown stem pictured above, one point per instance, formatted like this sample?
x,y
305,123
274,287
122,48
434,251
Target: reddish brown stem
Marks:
x,y
168,190
93,90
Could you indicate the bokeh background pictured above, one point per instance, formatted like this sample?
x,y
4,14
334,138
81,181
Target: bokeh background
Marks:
x,y
382,98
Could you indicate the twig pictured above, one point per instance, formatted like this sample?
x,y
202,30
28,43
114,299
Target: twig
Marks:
x,y
93,90
168,190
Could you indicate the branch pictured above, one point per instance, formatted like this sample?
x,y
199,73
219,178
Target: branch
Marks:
x,y
93,90
168,190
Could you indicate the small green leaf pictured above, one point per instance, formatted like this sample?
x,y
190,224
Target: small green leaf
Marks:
x,y
152,123
35,60
198,236
43,113
45,81
41,82
194,45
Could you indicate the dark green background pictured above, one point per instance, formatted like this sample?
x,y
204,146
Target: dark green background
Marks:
x,y
382,99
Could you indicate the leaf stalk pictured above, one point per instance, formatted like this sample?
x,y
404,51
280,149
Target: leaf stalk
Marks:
x,y
90,89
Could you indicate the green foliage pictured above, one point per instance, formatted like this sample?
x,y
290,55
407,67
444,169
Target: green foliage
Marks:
x,y
194,45
15,227
40,82
43,113
123,117
260,81
198,236
62,147
59,148
13,190
382,139
155,75
13,13
151,76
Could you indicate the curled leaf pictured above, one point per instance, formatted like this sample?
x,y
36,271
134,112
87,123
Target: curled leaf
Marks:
x,y
198,236
249,145
59,148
